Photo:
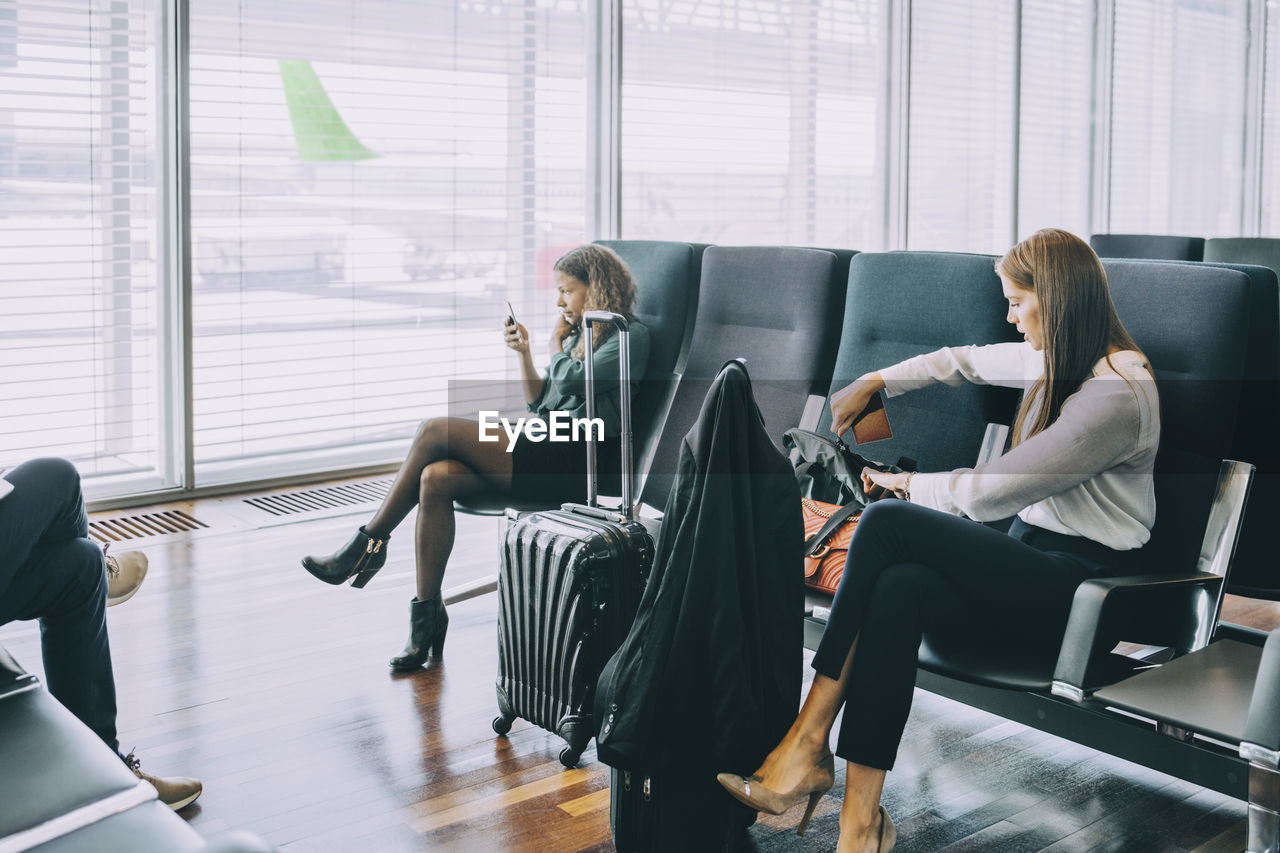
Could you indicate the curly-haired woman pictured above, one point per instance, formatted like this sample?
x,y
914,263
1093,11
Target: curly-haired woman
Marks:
x,y
448,461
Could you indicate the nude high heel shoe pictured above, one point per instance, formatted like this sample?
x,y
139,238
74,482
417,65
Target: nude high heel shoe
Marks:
x,y
888,833
752,791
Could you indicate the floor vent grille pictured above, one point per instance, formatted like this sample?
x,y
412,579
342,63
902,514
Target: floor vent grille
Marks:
x,y
324,497
142,525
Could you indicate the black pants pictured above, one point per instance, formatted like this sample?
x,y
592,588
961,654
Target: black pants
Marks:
x,y
913,570
51,571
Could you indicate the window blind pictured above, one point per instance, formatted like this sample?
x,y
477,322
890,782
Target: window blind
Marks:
x,y
1054,116
1177,116
369,182
1269,197
78,309
751,122
959,181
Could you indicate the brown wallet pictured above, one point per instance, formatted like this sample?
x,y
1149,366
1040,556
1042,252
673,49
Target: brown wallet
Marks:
x,y
873,423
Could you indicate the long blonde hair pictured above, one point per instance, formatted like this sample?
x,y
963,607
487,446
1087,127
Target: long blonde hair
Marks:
x,y
1079,322
610,287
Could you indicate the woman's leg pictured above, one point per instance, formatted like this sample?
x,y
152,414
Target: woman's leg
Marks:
x,y
436,440
880,685
469,467
958,576
809,737
860,811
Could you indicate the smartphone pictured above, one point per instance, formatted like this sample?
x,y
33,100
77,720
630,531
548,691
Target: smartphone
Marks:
x,y
511,313
873,423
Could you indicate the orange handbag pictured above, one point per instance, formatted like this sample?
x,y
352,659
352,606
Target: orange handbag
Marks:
x,y
827,531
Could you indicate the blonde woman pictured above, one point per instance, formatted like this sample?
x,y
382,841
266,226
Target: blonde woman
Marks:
x,y
1079,477
447,460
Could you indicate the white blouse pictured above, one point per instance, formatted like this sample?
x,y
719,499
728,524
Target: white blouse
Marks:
x,y
1088,474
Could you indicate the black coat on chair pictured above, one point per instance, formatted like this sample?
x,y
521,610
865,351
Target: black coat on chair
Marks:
x,y
709,676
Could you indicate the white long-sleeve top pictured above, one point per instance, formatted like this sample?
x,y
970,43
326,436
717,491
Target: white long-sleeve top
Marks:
x,y
1088,474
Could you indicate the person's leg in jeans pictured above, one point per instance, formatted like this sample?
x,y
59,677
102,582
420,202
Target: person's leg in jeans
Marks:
x,y
910,570
64,585
51,571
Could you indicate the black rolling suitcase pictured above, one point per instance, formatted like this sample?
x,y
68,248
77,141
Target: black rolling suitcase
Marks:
x,y
568,588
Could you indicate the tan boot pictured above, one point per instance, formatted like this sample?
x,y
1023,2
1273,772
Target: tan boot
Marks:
x,y
125,573
176,793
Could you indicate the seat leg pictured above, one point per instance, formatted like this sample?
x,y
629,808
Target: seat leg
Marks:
x,y
1264,809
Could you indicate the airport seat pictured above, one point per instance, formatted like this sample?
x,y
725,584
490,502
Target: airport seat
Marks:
x,y
903,304
1230,692
1262,251
1148,247
1255,572
773,307
1191,321
63,789
666,275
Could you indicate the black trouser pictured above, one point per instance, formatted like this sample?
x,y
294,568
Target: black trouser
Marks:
x,y
913,570
51,571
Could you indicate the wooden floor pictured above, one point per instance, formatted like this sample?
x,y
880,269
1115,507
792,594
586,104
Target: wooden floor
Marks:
x,y
236,666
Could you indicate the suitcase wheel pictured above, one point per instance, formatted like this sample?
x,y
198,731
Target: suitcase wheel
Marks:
x,y
569,756
502,724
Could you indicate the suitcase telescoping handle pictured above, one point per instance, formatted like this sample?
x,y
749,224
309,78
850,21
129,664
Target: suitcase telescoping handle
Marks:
x,y
624,394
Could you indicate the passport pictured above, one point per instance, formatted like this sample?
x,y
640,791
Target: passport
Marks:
x,y
873,423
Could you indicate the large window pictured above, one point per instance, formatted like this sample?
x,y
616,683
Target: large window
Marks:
x,y
1269,195
79,311
960,148
1054,121
1177,116
369,182
751,122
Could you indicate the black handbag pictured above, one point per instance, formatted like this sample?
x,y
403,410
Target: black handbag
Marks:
x,y
828,471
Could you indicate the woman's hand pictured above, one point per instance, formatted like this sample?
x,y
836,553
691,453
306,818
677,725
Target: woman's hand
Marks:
x,y
559,333
516,337
876,483
848,402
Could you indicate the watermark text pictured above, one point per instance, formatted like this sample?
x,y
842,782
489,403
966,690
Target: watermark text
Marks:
x,y
557,426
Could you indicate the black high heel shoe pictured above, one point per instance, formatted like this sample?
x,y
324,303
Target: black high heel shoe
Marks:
x,y
428,623
360,558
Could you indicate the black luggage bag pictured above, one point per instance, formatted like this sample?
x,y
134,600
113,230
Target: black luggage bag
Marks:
x,y
568,588
708,678
673,813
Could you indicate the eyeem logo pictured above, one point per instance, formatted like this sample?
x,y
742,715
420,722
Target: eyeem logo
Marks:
x,y
560,427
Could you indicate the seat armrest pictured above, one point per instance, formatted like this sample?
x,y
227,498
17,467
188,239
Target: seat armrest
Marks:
x,y
993,443
1262,728
812,414
1104,608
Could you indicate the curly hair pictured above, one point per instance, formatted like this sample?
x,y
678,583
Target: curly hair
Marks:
x,y
610,286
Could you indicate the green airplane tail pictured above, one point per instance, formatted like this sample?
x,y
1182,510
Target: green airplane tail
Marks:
x,y
323,137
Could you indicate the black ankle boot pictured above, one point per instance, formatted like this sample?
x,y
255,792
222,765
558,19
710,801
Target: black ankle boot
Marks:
x,y
428,623
361,558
